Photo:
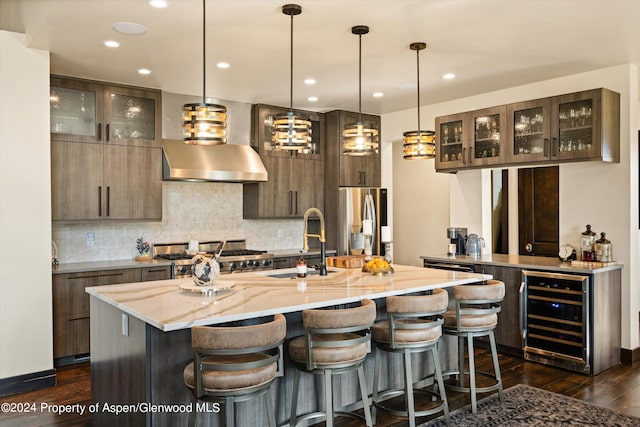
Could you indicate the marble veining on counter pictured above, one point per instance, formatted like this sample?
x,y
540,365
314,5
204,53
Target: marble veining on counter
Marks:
x,y
520,261
165,306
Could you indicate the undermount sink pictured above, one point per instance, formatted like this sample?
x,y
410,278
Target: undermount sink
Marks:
x,y
293,274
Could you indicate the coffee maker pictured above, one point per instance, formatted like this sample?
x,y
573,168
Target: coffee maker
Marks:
x,y
458,237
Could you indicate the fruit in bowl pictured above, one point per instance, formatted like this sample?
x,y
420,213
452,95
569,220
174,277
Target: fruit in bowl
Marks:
x,y
377,266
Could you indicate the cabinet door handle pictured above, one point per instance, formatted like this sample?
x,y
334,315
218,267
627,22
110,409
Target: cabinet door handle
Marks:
x,y
290,202
470,155
364,177
107,133
296,205
99,200
108,199
554,147
99,131
546,147
464,153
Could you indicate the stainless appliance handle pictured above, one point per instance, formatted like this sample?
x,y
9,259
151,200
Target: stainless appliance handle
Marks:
x,y
523,313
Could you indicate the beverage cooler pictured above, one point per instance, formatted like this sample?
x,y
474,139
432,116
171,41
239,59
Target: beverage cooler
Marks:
x,y
556,319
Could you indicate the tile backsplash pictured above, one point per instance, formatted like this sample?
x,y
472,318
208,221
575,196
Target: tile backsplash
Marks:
x,y
201,211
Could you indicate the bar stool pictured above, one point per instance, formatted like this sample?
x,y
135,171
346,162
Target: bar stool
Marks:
x,y
235,364
335,341
414,325
475,315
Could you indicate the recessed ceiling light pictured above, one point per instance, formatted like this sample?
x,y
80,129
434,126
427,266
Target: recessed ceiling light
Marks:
x,y
160,4
309,81
144,71
378,94
449,76
312,98
111,43
129,28
222,65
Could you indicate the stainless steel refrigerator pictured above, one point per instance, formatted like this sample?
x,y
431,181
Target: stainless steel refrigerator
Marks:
x,y
355,205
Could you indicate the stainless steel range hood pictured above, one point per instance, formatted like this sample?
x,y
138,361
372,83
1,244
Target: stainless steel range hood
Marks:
x,y
225,163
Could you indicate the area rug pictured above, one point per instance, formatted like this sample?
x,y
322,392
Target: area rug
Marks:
x,y
529,406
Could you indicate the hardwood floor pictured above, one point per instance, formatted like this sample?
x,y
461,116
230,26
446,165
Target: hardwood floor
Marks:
x,y
617,388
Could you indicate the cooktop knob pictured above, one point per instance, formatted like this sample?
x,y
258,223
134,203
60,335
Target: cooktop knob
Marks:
x,y
243,264
232,266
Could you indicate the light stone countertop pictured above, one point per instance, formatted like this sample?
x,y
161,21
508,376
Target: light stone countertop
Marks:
x,y
165,306
522,261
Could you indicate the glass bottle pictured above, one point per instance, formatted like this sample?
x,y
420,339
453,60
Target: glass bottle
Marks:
x,y
301,267
603,249
587,239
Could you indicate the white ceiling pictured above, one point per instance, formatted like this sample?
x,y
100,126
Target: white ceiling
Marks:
x,y
488,44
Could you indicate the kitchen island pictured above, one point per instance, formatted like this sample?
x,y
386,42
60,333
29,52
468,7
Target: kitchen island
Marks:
x,y
141,337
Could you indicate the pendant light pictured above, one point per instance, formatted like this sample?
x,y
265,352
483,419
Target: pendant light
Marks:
x,y
290,131
360,138
419,144
204,123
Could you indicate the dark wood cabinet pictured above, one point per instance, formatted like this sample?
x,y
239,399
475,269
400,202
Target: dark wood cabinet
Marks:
x,y
507,331
94,112
71,315
106,157
344,170
574,127
296,179
581,126
472,139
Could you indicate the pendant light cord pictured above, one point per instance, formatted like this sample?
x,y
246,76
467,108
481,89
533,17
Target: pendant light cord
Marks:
x,y
291,68
359,78
418,79
204,50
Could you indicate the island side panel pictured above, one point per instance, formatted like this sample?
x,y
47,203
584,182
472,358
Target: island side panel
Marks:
x,y
607,333
118,365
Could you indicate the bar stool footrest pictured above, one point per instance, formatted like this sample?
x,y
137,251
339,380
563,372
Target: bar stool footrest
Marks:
x,y
388,394
485,389
323,415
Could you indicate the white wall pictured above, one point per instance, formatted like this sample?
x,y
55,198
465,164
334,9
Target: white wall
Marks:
x,y
25,214
604,195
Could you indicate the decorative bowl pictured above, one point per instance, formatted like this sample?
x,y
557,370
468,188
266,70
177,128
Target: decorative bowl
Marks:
x,y
377,266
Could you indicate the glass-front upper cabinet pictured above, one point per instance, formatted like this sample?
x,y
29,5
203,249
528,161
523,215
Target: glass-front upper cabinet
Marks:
x,y
452,140
262,132
84,111
586,126
529,130
131,116
75,111
488,136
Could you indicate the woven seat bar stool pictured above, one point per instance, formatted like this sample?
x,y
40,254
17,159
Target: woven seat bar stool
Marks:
x,y
414,325
336,341
475,315
235,364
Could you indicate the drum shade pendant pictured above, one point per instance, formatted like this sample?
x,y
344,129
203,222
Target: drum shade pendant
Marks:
x,y
360,138
419,144
204,123
290,131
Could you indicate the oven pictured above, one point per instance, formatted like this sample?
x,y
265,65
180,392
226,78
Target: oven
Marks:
x,y
555,319
234,257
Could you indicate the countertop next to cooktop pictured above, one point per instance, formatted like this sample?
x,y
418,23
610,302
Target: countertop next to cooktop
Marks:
x,y
522,261
83,267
